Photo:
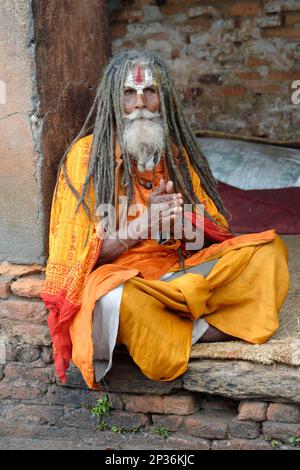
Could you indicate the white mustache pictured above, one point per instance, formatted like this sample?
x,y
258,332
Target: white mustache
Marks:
x,y
141,114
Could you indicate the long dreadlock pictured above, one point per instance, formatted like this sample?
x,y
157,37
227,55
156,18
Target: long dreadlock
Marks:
x,y
109,108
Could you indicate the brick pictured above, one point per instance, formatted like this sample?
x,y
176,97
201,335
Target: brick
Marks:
x,y
276,6
21,352
202,10
175,53
127,45
23,310
152,13
15,391
171,422
207,425
223,25
127,14
27,287
282,75
244,9
33,334
180,404
272,6
219,404
163,48
118,30
116,400
290,19
15,429
231,91
78,398
36,432
187,442
142,29
41,414
195,25
263,87
253,411
79,418
127,420
4,289
210,79
283,413
280,431
200,40
240,444
268,21
158,36
28,353
170,2
169,10
244,429
284,32
192,93
249,75
256,62
17,370
143,403
47,355
20,269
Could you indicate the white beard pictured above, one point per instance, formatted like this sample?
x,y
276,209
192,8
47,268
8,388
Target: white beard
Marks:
x,y
144,138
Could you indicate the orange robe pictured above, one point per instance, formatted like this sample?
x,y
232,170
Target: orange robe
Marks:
x,y
224,297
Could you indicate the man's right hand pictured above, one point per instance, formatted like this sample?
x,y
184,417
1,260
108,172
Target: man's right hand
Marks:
x,y
164,206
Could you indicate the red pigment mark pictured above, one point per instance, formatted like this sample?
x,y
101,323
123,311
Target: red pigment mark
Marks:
x,y
139,75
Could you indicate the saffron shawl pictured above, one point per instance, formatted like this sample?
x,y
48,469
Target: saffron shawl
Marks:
x,y
74,246
73,251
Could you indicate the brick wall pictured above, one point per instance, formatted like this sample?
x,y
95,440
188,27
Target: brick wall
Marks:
x,y
35,406
233,61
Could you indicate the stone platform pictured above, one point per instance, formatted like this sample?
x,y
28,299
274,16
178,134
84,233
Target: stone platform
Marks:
x,y
216,404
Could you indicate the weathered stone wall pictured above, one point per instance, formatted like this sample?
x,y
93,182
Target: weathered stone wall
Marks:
x,y
233,61
51,57
252,406
21,211
72,44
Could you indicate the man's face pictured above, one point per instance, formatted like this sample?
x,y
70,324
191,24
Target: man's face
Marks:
x,y
143,137
140,91
149,99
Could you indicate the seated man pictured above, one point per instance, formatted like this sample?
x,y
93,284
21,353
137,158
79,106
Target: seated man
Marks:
x,y
153,290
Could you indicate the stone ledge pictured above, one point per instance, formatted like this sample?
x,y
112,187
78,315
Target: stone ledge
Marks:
x,y
231,379
243,379
124,377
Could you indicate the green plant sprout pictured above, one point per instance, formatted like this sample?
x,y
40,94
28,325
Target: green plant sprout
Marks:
x,y
163,432
102,407
294,441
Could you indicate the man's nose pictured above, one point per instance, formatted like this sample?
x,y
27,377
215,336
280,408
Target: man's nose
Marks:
x,y
140,101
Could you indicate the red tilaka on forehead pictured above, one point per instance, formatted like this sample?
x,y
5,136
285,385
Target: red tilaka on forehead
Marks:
x,y
139,77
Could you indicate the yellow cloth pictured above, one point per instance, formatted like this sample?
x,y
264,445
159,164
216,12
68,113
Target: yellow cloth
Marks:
x,y
241,296
73,250
151,261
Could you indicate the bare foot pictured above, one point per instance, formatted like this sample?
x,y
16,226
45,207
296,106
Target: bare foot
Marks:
x,y
213,335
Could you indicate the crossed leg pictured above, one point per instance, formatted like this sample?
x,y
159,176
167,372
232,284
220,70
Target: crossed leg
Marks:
x,y
213,335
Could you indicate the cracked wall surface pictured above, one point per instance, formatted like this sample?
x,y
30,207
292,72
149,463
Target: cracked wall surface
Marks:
x,y
51,57
21,226
233,61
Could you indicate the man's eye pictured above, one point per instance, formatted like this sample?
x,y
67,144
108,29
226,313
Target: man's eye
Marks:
x,y
149,90
129,92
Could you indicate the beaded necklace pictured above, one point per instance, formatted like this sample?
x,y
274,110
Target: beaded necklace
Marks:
x,y
146,185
